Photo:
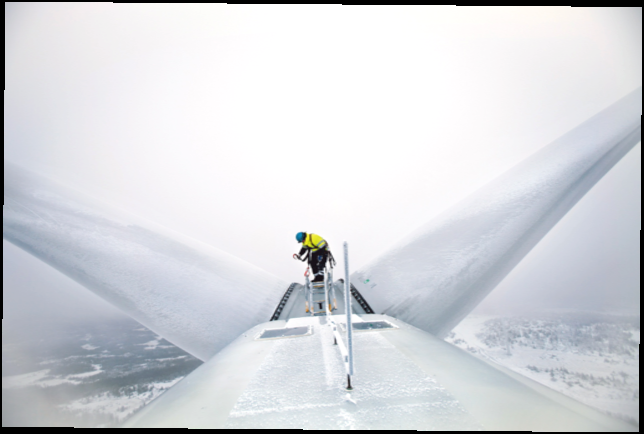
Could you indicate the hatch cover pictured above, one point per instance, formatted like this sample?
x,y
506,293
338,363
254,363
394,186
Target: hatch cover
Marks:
x,y
369,325
288,332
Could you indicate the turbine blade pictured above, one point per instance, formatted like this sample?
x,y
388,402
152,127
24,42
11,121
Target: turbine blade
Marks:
x,y
438,274
192,294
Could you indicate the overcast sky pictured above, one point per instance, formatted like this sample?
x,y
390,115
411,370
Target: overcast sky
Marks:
x,y
242,125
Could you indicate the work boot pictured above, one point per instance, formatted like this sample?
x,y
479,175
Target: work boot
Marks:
x,y
319,278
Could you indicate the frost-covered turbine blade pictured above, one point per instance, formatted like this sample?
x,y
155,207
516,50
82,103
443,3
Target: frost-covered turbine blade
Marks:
x,y
435,276
192,294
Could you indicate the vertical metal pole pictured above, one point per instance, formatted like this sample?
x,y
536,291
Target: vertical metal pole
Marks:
x,y
326,293
347,298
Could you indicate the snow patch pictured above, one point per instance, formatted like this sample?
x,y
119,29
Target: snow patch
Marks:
x,y
121,406
97,370
40,379
151,345
24,380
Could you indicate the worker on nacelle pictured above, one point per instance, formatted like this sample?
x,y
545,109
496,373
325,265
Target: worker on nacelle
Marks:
x,y
318,252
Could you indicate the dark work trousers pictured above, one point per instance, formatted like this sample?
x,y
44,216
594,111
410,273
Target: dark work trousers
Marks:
x,y
318,261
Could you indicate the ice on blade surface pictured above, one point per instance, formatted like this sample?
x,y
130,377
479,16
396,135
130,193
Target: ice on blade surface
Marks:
x,y
194,295
435,276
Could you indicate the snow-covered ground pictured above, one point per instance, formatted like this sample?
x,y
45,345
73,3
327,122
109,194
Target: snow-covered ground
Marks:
x,y
69,377
44,378
593,358
119,406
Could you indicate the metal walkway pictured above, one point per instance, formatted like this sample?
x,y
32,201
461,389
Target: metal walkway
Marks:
x,y
295,298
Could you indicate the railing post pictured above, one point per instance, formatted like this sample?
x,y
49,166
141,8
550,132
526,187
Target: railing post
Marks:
x,y
347,298
308,293
332,293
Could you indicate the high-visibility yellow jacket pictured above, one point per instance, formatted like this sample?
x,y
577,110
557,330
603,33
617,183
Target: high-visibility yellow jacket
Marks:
x,y
314,242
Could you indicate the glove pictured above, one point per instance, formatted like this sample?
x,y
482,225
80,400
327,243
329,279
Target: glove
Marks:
x,y
296,256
